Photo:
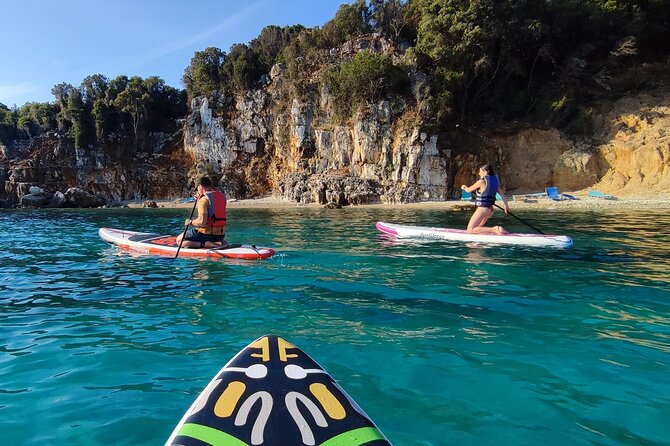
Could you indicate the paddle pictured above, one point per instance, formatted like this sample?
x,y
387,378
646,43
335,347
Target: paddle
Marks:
x,y
520,219
186,228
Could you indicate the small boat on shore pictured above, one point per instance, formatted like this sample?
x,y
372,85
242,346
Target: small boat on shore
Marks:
x,y
461,235
272,394
166,245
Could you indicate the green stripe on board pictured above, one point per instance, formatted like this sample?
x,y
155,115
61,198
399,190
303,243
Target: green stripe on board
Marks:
x,y
355,437
211,436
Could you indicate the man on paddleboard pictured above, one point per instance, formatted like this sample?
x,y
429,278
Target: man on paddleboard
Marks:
x,y
487,186
209,228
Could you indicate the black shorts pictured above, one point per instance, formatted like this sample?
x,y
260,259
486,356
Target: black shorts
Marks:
x,y
193,235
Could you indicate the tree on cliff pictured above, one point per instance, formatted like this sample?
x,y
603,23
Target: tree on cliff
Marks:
x,y
94,87
62,93
115,86
35,117
350,21
8,123
366,78
389,18
133,100
271,42
205,74
165,106
80,119
241,69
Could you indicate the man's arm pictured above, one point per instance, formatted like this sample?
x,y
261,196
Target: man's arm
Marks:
x,y
201,221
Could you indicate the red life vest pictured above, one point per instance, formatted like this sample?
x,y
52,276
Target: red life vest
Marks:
x,y
216,215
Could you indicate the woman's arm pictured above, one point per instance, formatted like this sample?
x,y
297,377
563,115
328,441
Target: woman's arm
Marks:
x,y
504,199
475,186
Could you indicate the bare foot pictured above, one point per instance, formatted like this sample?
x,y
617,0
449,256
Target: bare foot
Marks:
x,y
214,245
500,230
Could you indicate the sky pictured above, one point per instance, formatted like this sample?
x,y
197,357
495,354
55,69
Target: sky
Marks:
x,y
46,42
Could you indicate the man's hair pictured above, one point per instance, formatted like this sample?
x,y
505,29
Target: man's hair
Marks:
x,y
205,182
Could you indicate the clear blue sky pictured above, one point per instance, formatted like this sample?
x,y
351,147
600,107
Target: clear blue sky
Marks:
x,y
44,43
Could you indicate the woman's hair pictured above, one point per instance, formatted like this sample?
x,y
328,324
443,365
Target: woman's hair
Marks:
x,y
488,169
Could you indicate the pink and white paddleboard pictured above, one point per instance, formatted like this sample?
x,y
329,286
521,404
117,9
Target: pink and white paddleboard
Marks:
x,y
461,235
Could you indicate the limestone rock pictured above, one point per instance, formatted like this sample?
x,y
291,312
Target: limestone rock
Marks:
x,y
575,170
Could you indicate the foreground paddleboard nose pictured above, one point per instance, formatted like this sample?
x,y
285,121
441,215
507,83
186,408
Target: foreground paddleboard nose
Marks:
x,y
273,394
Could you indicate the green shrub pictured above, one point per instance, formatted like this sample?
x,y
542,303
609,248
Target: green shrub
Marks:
x,y
365,78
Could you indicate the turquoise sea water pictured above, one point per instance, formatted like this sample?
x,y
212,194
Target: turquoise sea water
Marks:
x,y
441,344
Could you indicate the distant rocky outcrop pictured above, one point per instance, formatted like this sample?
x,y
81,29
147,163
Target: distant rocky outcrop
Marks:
x,y
67,176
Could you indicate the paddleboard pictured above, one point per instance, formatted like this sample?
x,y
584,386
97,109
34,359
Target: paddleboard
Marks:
x,y
273,394
461,235
148,243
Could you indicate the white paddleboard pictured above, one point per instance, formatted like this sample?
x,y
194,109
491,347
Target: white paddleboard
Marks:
x,y
461,235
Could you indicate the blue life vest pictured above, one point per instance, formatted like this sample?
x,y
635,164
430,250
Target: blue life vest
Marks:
x,y
487,197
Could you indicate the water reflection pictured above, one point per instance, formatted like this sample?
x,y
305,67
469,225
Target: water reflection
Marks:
x,y
635,324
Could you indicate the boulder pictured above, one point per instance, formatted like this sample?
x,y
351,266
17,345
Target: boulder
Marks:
x,y
33,201
58,200
79,198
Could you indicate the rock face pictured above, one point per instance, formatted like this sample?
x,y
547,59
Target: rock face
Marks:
x,y
374,158
278,142
49,171
634,149
295,151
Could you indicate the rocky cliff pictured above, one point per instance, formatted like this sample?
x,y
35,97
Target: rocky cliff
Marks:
x,y
385,156
49,171
276,141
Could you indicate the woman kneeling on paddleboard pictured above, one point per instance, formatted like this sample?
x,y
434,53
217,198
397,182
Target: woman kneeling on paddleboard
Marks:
x,y
487,187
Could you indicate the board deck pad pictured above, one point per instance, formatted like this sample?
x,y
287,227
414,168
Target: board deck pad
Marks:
x,y
273,394
170,240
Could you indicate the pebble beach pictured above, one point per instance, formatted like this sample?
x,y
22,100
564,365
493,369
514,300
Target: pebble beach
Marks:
x,y
581,202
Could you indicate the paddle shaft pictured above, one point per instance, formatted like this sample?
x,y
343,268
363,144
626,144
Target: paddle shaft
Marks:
x,y
186,229
521,220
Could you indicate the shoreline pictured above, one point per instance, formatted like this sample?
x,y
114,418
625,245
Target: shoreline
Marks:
x,y
582,202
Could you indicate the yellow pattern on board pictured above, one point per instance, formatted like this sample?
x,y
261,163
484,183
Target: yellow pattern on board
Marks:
x,y
284,345
264,345
227,402
328,401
